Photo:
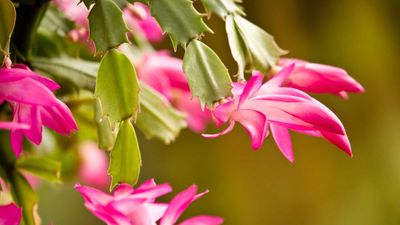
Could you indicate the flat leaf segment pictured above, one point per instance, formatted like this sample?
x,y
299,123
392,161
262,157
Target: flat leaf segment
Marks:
x,y
179,19
207,76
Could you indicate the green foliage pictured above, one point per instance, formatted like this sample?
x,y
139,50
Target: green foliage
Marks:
x,y
238,48
157,118
7,22
117,87
179,19
251,45
104,129
207,76
55,22
125,159
79,72
25,197
223,8
43,167
107,26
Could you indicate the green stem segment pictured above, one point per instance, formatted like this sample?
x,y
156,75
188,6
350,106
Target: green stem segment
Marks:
x,y
28,21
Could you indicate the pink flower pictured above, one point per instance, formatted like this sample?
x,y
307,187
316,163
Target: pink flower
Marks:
x,y
139,19
318,78
33,103
164,73
128,206
94,164
263,107
10,214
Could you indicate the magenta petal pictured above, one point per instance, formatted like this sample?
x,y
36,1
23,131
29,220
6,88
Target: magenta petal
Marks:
x,y
36,94
285,91
279,78
222,112
319,78
255,124
340,141
178,205
227,130
13,125
252,86
10,215
293,110
16,139
150,183
93,196
30,115
155,192
282,139
123,190
203,220
156,210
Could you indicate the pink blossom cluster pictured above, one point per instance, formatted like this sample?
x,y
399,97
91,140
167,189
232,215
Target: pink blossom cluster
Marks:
x,y
129,206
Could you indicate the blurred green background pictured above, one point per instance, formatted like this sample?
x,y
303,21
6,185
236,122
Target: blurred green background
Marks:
x,y
323,186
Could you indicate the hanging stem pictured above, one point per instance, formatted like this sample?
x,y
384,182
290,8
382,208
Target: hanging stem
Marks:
x,y
29,17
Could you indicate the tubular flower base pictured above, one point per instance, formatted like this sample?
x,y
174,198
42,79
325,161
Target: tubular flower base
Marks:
x,y
164,73
263,107
128,206
318,78
34,105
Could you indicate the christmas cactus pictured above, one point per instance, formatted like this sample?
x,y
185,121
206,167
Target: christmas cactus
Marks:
x,y
79,78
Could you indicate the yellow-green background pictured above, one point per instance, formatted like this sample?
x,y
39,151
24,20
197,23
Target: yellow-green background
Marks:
x,y
324,186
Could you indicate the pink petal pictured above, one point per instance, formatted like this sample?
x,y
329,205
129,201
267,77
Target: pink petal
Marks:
x,y
10,215
123,190
340,141
156,210
227,130
154,192
16,139
318,78
21,71
252,86
13,126
282,139
178,205
29,115
203,220
279,78
296,111
27,91
93,196
255,124
222,112
150,183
